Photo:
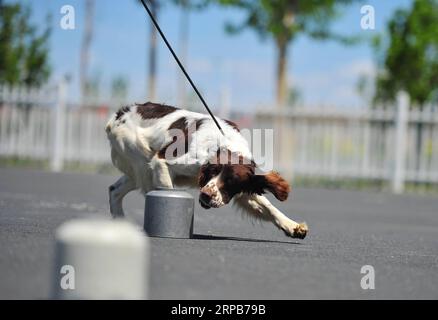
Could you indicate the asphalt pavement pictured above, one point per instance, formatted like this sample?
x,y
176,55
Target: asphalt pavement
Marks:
x,y
230,256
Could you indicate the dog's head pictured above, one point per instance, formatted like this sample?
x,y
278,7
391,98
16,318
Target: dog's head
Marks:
x,y
229,174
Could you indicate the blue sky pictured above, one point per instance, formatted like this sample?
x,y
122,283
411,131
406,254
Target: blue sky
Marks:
x,y
325,72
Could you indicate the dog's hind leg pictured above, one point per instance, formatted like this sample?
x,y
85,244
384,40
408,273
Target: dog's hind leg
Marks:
x,y
116,193
260,207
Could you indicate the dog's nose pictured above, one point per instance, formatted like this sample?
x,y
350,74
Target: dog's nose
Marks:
x,y
204,200
204,197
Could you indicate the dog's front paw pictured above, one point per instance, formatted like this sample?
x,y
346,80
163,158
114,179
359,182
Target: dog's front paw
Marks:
x,y
299,231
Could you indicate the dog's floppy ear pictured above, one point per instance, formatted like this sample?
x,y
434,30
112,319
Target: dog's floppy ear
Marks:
x,y
272,182
206,172
202,176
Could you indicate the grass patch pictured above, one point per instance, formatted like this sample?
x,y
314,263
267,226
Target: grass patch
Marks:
x,y
344,183
377,185
15,162
69,166
101,168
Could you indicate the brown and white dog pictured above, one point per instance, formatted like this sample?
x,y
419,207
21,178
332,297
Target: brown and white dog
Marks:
x,y
156,145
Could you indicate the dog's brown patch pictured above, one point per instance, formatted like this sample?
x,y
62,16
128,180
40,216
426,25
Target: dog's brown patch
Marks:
x,y
180,124
122,111
232,124
236,172
151,110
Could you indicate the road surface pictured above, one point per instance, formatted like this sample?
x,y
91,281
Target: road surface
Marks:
x,y
232,257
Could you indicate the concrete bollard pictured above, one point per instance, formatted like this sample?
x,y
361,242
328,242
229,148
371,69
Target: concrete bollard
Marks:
x,y
169,214
100,259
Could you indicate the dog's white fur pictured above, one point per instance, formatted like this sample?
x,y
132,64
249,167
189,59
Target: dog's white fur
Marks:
x,y
135,143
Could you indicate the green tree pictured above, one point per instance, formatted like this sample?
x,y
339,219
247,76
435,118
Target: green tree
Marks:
x,y
408,60
24,52
155,7
87,38
283,21
186,7
408,56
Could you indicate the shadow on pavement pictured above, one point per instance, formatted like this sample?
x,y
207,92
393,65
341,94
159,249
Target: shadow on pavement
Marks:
x,y
212,237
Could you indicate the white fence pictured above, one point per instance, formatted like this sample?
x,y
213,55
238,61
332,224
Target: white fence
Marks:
x,y
38,125
395,144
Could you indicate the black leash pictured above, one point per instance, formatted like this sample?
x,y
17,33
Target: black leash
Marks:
x,y
180,65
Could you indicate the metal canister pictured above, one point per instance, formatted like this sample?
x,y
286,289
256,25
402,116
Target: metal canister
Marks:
x,y
169,213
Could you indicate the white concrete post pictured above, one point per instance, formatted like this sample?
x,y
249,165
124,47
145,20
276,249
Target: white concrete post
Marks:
x,y
401,125
100,259
58,118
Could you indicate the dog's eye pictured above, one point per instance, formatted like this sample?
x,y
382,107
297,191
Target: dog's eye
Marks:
x,y
231,180
215,170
